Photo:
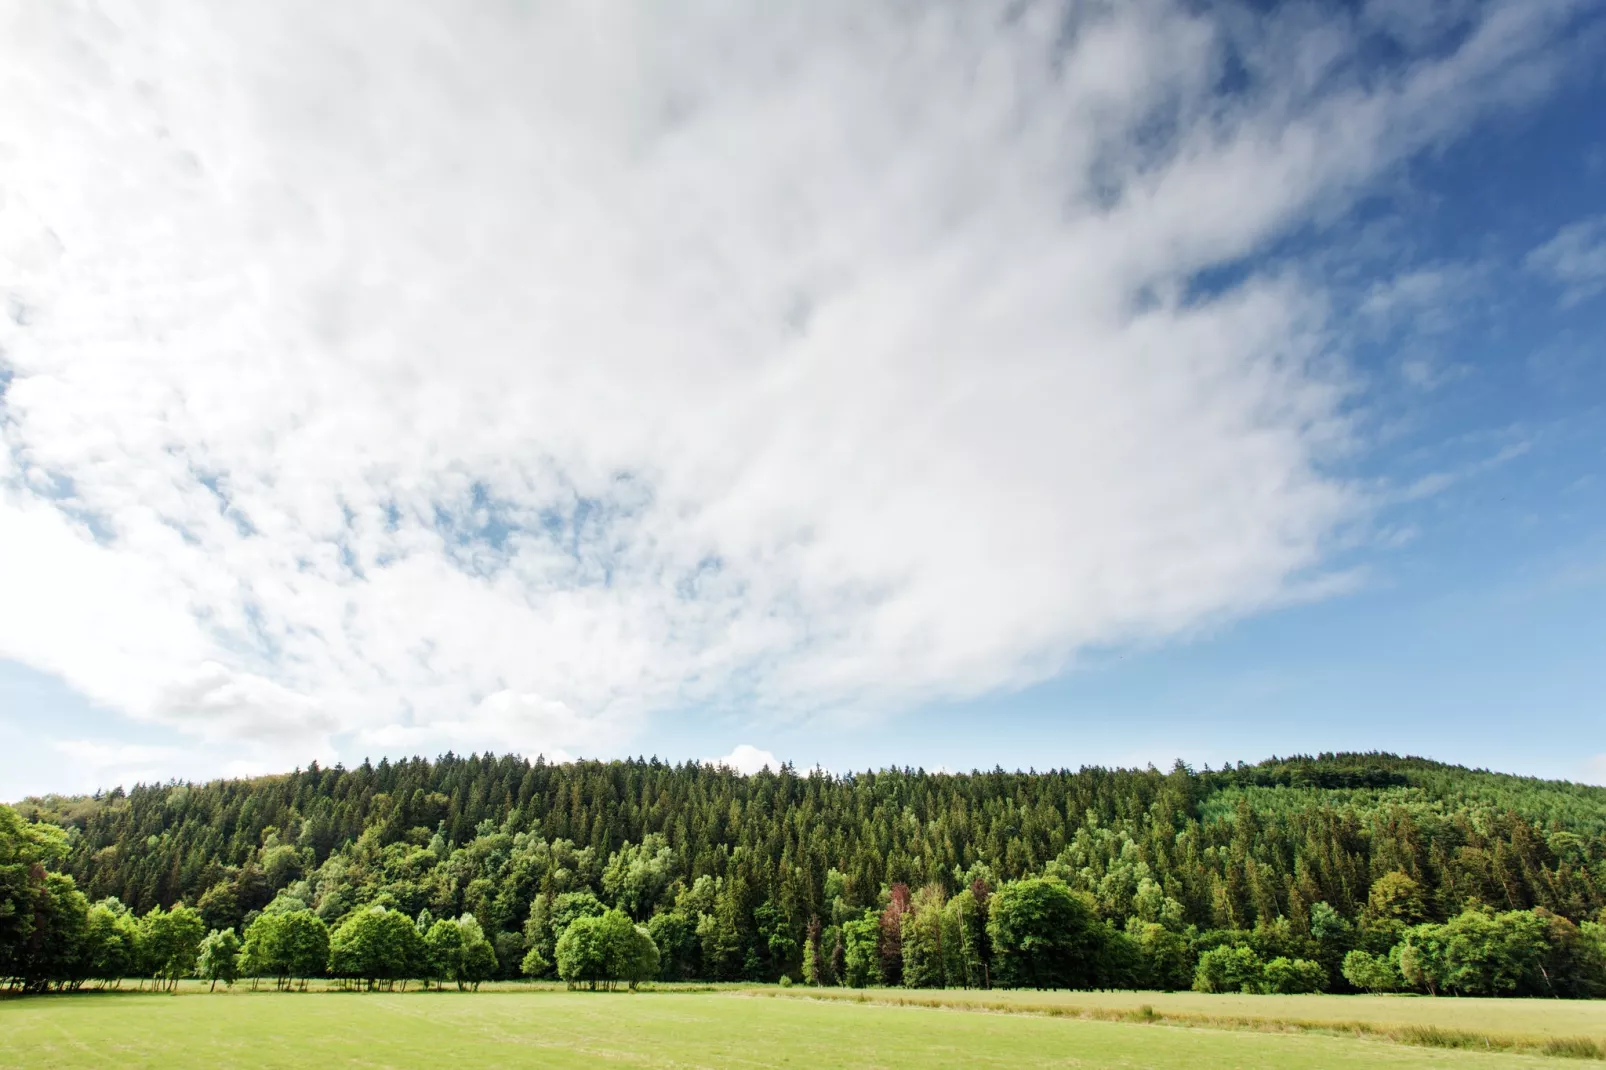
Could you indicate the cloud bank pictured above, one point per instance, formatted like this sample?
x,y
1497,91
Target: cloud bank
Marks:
x,y
377,376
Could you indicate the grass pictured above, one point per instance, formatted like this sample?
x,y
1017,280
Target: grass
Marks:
x,y
1568,1028
518,1027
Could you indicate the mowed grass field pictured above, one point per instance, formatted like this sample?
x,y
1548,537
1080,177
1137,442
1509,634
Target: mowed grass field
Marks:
x,y
1510,1018
517,1027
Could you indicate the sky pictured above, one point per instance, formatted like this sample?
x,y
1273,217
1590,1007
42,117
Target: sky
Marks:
x,y
856,384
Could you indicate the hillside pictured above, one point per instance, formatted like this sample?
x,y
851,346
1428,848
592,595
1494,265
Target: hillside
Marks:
x,y
1231,846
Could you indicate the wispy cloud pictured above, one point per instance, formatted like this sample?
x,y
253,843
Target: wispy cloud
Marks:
x,y
380,376
1575,259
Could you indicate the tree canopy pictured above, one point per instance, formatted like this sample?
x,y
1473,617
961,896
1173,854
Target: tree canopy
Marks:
x,y
1338,871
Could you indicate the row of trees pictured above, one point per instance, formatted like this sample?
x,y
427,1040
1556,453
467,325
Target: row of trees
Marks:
x,y
884,878
1036,932
1490,953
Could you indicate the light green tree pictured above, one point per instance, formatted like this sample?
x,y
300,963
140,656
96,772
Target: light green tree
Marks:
x,y
478,962
1287,976
582,958
602,951
1229,969
637,876
1163,959
219,957
533,965
1372,973
443,948
377,946
169,943
929,935
262,951
303,946
111,942
860,938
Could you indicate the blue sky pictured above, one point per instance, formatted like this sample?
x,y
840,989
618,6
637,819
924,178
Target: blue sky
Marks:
x,y
1087,386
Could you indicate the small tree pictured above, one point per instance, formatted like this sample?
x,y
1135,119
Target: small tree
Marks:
x,y
534,965
889,945
1374,973
262,953
443,950
170,942
839,957
601,951
581,956
1229,969
638,958
1044,935
675,935
927,940
478,962
1288,976
1163,959
811,952
860,961
304,945
111,942
219,957
970,910
377,946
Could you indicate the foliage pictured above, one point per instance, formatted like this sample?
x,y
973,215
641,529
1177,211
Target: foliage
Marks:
x,y
860,938
1372,973
1044,935
637,875
111,942
286,944
476,955
1515,952
376,946
1165,961
170,942
604,950
1286,976
1302,859
219,957
1229,968
674,933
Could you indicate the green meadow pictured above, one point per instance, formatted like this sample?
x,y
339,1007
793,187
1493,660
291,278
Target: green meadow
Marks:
x,y
517,1026
1523,1022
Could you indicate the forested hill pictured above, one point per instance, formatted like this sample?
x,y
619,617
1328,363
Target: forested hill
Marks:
x,y
488,835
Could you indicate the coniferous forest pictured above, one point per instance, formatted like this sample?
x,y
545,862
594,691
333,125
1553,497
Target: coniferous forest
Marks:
x,y
1335,873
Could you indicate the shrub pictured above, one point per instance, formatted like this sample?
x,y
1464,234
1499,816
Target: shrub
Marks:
x,y
1229,969
1374,973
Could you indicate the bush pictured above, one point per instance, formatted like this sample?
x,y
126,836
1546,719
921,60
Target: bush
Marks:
x,y
1290,976
604,950
1229,969
377,945
1374,973
1044,935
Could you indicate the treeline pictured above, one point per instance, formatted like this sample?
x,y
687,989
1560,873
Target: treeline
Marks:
x,y
1330,873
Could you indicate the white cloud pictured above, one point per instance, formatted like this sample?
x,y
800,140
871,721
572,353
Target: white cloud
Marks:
x,y
747,759
1575,259
1595,770
98,764
388,377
